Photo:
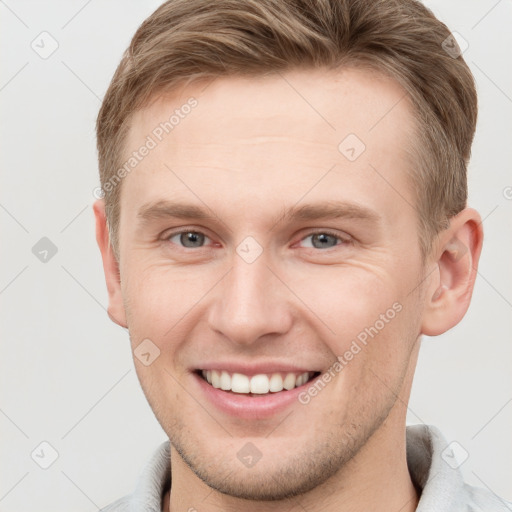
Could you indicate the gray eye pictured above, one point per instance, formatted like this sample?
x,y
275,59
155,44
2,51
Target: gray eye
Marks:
x,y
190,239
323,240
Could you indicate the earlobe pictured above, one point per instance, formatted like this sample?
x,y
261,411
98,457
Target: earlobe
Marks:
x,y
115,310
451,287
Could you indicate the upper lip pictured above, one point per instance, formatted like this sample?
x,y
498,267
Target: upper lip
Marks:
x,y
251,369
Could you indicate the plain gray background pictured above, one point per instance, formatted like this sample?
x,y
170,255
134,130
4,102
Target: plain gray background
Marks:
x,y
66,374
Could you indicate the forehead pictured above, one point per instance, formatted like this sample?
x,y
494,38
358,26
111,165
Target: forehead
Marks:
x,y
329,102
272,137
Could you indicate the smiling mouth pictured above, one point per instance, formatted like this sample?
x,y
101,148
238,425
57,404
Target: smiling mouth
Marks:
x,y
261,384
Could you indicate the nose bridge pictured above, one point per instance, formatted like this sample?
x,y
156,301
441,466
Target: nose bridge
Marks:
x,y
249,304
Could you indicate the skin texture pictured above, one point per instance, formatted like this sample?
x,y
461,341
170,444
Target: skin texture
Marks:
x,y
249,150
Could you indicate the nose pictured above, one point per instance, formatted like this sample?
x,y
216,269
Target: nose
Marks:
x,y
250,303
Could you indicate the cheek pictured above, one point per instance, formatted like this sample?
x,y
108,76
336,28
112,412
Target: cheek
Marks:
x,y
375,355
363,315
347,299
160,298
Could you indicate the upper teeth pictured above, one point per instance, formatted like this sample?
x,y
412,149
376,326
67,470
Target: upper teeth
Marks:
x,y
259,384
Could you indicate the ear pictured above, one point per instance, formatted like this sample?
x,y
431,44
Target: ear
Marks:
x,y
456,260
115,309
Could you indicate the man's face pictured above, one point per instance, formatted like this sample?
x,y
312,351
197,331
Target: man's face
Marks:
x,y
253,243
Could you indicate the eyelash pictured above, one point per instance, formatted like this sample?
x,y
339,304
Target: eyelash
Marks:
x,y
341,240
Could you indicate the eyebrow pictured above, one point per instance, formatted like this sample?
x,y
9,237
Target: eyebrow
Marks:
x,y
165,209
169,209
330,210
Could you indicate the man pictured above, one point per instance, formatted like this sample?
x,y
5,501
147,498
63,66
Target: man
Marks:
x,y
284,216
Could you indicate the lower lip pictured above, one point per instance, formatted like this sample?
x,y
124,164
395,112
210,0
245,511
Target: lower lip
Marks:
x,y
250,407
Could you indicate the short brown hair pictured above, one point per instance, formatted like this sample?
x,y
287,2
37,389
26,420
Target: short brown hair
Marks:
x,y
187,40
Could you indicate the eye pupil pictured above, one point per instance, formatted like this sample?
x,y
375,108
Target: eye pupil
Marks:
x,y
191,239
322,240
